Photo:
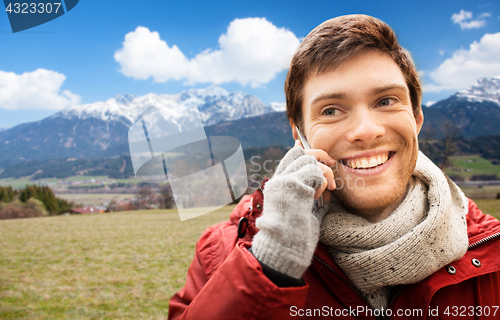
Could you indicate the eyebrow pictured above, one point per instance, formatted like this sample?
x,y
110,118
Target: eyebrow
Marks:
x,y
387,88
343,96
338,96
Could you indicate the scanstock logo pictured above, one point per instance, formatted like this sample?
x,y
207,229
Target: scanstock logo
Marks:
x,y
205,173
24,14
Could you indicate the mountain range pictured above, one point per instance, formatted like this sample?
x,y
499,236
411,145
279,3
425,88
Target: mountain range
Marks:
x,y
100,129
468,113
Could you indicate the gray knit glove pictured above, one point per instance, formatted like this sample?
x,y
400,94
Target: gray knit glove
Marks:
x,y
289,225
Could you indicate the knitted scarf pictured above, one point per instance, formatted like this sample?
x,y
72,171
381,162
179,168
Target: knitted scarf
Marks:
x,y
427,231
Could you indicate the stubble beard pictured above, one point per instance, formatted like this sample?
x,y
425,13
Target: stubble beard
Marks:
x,y
373,201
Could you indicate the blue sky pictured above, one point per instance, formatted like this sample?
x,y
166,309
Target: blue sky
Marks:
x,y
84,57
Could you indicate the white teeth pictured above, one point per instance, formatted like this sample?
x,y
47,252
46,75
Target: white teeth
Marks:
x,y
384,158
368,162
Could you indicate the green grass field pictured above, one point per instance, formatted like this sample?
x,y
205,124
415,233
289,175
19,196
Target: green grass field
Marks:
x,y
93,198
122,265
485,192
467,166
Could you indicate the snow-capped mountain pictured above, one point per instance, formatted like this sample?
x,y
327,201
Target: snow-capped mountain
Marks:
x,y
485,89
215,104
93,129
474,111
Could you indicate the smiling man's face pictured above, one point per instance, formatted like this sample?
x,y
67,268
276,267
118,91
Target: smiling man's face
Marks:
x,y
360,113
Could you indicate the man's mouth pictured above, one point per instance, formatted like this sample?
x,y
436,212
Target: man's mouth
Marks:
x,y
367,162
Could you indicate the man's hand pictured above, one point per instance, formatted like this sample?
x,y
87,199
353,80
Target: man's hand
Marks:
x,y
325,162
289,225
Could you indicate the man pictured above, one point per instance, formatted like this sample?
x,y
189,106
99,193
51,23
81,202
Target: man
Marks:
x,y
395,238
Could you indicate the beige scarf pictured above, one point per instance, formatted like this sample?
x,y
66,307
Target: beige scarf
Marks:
x,y
427,231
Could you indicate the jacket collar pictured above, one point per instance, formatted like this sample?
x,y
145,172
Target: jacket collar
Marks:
x,y
480,226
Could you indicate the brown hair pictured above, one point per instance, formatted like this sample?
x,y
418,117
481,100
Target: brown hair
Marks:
x,y
336,40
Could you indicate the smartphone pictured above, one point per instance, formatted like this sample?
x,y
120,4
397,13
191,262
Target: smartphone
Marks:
x,y
307,147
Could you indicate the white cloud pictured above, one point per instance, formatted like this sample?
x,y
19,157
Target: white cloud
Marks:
x,y
431,87
278,106
441,52
39,89
466,66
464,19
252,51
430,103
484,15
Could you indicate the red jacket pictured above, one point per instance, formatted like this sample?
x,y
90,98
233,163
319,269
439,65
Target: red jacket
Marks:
x,y
225,281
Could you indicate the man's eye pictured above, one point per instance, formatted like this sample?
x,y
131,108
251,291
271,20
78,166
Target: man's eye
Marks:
x,y
330,112
385,102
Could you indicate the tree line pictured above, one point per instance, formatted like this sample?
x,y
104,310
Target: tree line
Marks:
x,y
32,201
440,150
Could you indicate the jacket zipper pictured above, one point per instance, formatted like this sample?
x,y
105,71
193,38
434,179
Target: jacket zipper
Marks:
x,y
393,300
475,244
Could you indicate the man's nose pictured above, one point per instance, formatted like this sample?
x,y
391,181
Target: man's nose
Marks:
x,y
365,126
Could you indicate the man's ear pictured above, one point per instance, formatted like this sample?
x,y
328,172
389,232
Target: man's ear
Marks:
x,y
420,120
294,130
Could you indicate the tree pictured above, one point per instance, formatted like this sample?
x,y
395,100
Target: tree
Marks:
x,y
34,201
65,205
7,194
28,192
45,194
17,209
166,197
450,133
112,206
425,143
145,197
36,206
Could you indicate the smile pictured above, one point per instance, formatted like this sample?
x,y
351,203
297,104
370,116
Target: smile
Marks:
x,y
367,162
